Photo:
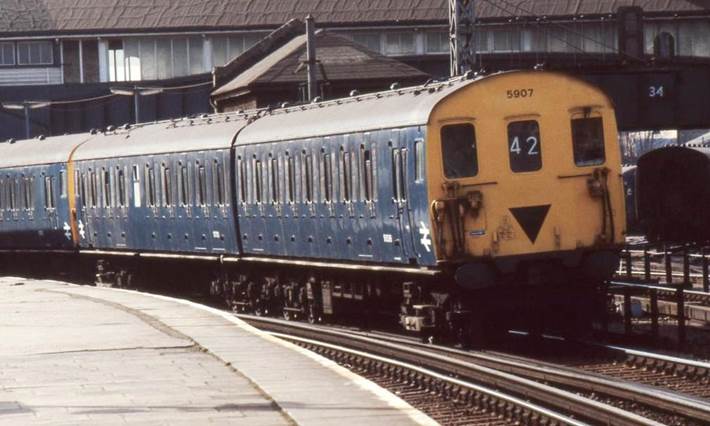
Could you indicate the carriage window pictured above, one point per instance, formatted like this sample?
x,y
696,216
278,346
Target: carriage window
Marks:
x,y
419,160
346,173
62,183
93,190
242,167
300,179
274,180
219,182
183,186
13,196
290,178
309,178
107,187
48,192
150,183
397,174
29,199
366,173
259,180
588,141
201,186
458,146
121,175
81,182
524,146
167,186
328,178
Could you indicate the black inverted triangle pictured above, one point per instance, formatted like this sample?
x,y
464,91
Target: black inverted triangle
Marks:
x,y
531,219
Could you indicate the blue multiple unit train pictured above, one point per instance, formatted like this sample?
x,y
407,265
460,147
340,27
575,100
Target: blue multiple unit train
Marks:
x,y
384,203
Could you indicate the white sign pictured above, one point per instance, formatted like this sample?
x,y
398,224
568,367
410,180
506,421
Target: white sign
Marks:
x,y
425,240
67,231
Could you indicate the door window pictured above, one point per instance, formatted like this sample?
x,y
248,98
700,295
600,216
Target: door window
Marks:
x,y
524,146
458,146
588,141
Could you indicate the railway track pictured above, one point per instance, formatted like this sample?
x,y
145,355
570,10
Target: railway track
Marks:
x,y
591,398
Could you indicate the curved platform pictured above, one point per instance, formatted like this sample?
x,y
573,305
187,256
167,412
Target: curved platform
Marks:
x,y
86,355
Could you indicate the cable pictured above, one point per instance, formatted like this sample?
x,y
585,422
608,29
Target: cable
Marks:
x,y
564,40
563,27
73,101
112,95
187,86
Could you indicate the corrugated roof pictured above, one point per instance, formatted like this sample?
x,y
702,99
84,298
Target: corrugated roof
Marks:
x,y
95,16
339,59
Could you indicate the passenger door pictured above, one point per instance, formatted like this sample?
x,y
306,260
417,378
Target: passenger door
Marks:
x,y
400,173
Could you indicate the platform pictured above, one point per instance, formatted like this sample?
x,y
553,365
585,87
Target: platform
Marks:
x,y
86,355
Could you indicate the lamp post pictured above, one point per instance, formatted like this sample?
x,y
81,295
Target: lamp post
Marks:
x,y
136,92
26,106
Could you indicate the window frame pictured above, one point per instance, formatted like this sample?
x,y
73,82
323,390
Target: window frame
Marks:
x,y
537,145
3,45
121,188
201,177
29,43
600,118
444,153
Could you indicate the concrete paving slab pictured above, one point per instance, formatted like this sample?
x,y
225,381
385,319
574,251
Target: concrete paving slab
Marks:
x,y
87,355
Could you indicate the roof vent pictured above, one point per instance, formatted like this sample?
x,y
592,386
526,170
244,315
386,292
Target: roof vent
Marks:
x,y
93,131
284,105
394,86
126,126
316,100
469,75
354,92
110,128
11,140
41,137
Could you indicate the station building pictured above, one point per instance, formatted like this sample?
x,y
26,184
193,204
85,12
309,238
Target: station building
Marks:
x,y
64,56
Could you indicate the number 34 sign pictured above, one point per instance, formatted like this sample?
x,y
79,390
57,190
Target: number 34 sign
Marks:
x,y
656,91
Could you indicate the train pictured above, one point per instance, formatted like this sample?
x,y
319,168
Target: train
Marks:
x,y
448,208
673,201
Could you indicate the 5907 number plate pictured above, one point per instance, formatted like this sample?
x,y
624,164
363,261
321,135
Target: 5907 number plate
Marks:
x,y
519,93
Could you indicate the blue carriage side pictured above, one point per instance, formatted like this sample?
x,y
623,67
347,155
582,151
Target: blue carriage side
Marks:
x,y
161,188
34,214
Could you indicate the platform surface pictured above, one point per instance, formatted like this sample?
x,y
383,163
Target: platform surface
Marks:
x,y
86,355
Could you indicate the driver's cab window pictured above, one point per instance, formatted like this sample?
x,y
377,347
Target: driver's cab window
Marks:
x,y
458,146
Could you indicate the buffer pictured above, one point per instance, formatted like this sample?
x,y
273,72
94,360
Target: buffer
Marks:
x,y
531,219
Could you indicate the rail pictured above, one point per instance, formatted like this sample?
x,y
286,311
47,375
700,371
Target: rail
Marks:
x,y
518,379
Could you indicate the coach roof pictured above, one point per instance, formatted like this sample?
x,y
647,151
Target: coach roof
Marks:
x,y
33,152
185,135
361,113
